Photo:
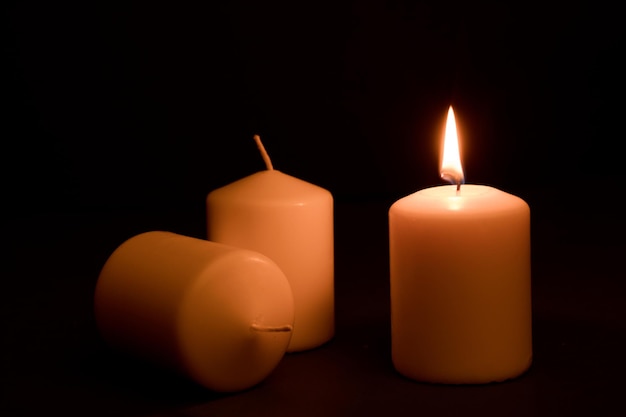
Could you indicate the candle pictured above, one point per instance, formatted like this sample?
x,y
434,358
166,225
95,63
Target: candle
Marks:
x,y
460,280
219,315
290,221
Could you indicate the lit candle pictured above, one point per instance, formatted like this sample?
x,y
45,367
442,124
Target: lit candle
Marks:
x,y
290,221
219,315
460,280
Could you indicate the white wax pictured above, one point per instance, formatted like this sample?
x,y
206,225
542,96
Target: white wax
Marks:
x,y
290,221
460,285
201,308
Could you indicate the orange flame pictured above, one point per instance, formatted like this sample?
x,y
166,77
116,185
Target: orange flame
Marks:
x,y
451,169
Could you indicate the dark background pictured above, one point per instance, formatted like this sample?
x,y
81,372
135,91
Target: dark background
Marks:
x,y
120,117
153,103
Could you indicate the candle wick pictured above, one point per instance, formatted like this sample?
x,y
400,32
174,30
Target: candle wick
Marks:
x,y
266,157
259,328
458,187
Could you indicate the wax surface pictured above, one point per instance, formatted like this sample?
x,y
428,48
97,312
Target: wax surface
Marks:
x,y
190,305
460,285
290,221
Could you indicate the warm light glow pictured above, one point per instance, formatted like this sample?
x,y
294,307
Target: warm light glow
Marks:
x,y
451,169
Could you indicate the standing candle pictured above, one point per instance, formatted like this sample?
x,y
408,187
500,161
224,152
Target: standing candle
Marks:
x,y
291,222
460,280
220,315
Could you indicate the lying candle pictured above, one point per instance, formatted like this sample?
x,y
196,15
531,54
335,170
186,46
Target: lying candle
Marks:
x,y
460,280
291,222
220,315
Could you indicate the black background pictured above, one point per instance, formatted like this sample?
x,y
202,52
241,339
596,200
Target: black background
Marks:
x,y
120,117
154,103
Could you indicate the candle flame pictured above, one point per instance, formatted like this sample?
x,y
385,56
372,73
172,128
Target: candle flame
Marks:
x,y
451,169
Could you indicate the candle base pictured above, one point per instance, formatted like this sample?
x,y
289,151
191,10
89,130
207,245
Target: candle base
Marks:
x,y
452,378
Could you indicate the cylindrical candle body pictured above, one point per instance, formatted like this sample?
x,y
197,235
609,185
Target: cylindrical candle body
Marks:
x,y
460,285
196,307
291,222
